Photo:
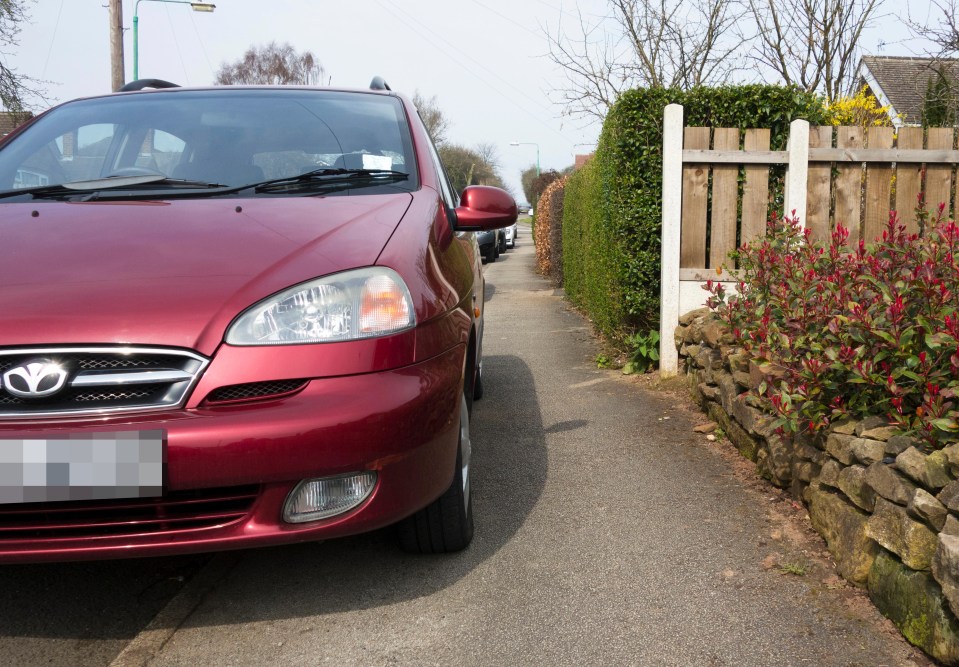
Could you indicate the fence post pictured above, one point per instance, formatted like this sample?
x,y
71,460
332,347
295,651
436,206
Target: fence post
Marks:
x,y
672,224
797,173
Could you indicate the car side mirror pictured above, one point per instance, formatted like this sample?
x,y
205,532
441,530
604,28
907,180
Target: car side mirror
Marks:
x,y
483,207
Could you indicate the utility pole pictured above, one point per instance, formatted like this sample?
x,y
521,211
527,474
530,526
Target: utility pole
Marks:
x,y
117,75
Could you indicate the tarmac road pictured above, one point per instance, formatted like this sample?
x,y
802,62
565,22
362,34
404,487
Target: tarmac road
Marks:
x,y
607,533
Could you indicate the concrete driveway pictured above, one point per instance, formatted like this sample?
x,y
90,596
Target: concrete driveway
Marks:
x,y
607,533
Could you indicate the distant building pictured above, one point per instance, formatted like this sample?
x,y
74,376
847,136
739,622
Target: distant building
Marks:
x,y
581,160
11,120
902,83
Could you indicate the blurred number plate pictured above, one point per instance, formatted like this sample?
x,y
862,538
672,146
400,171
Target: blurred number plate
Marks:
x,y
92,466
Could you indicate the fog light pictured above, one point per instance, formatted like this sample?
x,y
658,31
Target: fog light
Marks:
x,y
315,499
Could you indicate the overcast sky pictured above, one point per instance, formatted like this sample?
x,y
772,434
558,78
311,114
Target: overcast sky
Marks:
x,y
484,60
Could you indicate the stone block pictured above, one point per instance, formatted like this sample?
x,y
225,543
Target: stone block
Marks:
x,y
709,392
829,474
845,427
748,417
897,444
742,380
952,526
844,529
805,471
687,318
839,447
945,569
949,496
708,358
882,433
746,444
916,605
868,451
808,452
727,391
777,465
691,351
693,333
952,456
892,527
870,423
925,507
852,482
930,471
889,484
739,361
714,332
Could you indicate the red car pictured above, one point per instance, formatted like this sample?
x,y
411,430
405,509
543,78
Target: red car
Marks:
x,y
233,317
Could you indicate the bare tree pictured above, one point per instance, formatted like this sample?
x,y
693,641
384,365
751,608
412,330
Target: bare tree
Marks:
x,y
273,64
813,44
944,33
15,89
436,122
644,43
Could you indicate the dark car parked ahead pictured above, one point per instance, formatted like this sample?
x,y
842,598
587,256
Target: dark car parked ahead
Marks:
x,y
235,317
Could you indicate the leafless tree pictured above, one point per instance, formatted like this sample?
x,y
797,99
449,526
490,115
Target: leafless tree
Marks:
x,y
273,64
813,44
15,88
944,32
644,43
436,122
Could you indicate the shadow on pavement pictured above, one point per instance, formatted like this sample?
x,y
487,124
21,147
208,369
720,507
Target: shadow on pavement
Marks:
x,y
509,473
84,604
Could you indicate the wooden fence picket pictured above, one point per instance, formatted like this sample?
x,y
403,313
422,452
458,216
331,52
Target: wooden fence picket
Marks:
x,y
849,183
706,214
908,179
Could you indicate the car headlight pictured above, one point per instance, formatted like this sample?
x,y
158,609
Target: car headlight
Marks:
x,y
353,305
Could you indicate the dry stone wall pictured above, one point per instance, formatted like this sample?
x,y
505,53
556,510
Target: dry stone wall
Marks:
x,y
888,511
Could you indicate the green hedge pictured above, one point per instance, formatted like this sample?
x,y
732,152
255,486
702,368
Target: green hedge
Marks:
x,y
612,211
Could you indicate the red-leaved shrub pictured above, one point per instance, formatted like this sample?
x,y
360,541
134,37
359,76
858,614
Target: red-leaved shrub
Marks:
x,y
852,332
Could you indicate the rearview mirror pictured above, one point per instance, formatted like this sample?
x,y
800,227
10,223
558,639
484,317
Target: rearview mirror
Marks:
x,y
483,208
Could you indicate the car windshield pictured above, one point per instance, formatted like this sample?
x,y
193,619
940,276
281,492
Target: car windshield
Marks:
x,y
224,136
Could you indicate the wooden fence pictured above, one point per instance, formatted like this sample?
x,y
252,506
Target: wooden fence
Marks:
x,y
719,186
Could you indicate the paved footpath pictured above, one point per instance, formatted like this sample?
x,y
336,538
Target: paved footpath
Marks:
x,y
607,533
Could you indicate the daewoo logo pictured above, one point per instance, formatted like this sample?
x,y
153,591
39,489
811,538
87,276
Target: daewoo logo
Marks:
x,y
35,379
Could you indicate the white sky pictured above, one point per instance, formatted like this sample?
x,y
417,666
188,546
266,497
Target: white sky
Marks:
x,y
482,59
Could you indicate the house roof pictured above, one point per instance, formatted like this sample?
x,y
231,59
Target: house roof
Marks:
x,y
902,82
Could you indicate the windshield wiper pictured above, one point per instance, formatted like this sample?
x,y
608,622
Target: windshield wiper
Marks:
x,y
331,176
94,186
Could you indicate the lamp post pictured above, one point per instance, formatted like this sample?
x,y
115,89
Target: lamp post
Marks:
x,y
197,7
529,143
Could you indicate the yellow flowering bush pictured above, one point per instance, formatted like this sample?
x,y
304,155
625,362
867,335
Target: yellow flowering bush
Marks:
x,y
861,109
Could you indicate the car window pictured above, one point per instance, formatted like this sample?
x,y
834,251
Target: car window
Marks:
x,y
232,137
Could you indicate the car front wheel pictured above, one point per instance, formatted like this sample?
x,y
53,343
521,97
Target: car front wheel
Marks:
x,y
446,524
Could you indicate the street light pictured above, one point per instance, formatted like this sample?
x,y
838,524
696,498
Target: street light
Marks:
x,y
197,7
529,143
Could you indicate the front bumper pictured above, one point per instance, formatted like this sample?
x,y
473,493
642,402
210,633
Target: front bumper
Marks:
x,y
401,423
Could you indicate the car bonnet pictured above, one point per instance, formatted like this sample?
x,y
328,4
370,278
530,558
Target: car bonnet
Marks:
x,y
172,272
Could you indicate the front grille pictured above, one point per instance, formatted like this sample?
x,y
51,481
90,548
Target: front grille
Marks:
x,y
99,380
254,391
174,512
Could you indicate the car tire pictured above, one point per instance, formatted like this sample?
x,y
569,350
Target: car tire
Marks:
x,y
446,524
478,383
502,243
490,254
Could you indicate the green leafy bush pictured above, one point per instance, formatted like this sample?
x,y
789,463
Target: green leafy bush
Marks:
x,y
613,206
644,352
852,332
